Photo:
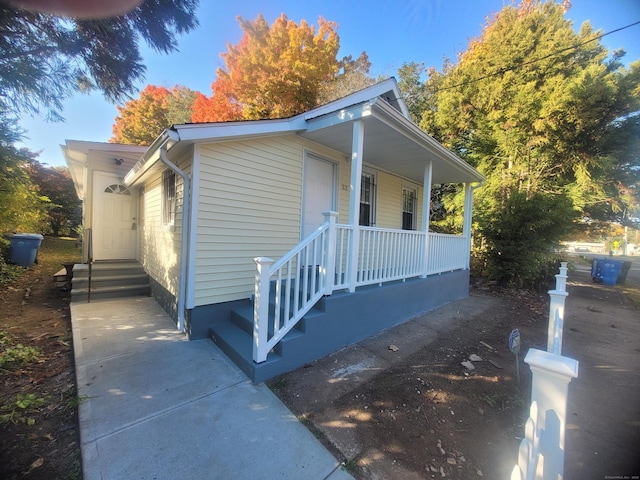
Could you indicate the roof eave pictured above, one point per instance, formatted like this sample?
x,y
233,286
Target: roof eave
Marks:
x,y
388,114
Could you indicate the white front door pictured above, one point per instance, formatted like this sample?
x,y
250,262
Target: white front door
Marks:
x,y
318,193
114,219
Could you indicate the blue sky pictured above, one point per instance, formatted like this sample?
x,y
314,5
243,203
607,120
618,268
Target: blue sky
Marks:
x,y
390,32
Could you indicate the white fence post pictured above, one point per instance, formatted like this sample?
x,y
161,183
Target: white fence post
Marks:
x,y
556,309
561,278
330,267
551,375
261,309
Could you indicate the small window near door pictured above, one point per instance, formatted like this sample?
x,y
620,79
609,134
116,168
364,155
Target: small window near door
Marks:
x,y
409,208
117,189
168,197
368,200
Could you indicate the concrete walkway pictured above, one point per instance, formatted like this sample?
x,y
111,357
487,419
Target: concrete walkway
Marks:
x,y
156,406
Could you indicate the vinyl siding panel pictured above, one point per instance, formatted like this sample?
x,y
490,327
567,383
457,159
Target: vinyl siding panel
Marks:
x,y
160,245
249,205
389,201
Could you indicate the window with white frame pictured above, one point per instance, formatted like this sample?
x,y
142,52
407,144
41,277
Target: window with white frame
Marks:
x,y
368,200
168,197
409,208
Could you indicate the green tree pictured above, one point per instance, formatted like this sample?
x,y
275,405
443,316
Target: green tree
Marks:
x,y
56,184
23,208
353,75
44,59
541,111
180,105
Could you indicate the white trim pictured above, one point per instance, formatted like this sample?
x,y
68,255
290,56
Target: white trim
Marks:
x,y
367,171
306,153
413,187
192,248
426,214
357,146
97,201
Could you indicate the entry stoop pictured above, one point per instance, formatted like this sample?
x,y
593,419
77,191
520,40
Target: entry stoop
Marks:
x,y
109,280
235,339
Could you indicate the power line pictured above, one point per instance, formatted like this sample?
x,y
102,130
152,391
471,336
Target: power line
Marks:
x,y
530,62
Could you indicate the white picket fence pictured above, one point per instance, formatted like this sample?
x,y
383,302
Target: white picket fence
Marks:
x,y
541,452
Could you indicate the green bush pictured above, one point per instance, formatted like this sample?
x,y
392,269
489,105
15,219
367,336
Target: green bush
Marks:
x,y
521,239
7,272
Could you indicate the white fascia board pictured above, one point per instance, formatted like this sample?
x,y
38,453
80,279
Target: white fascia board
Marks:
x,y
76,162
83,146
386,113
355,112
369,93
195,132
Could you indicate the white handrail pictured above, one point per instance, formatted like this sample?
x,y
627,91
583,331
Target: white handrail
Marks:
x,y
299,279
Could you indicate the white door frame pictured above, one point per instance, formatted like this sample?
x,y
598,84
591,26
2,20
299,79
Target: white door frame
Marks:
x,y
309,156
128,248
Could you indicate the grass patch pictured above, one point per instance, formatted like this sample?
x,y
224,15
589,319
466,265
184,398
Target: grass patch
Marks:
x,y
11,355
54,251
20,408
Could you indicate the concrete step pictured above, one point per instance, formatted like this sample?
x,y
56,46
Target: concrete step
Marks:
x,y
110,281
107,269
102,292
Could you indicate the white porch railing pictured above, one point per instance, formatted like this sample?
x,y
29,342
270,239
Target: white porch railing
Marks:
x,y
299,280
322,263
447,253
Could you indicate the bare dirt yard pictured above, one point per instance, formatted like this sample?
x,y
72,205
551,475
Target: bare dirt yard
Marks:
x,y
38,422
402,406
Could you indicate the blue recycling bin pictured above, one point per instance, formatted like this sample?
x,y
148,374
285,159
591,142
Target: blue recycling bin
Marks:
x,y
23,248
605,270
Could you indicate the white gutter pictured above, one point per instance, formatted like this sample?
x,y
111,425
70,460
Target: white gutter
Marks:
x,y
186,218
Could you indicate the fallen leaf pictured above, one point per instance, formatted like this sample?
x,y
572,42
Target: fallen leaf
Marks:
x,y
38,463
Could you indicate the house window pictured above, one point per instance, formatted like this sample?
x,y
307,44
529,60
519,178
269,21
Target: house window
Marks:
x,y
368,200
117,189
168,197
409,208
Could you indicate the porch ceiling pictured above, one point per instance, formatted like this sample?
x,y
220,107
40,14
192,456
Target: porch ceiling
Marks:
x,y
392,143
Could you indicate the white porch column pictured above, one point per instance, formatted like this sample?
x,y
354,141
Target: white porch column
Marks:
x,y
330,275
466,223
426,210
357,147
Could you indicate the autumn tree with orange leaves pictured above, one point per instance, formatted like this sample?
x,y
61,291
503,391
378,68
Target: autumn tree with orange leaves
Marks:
x,y
274,72
141,120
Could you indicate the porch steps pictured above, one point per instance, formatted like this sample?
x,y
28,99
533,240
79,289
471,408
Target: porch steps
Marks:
x,y
336,321
235,339
109,280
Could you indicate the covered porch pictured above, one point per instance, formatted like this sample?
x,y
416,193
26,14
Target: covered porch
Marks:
x,y
345,257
